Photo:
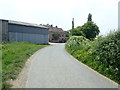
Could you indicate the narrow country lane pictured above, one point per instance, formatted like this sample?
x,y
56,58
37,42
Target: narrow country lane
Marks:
x,y
53,67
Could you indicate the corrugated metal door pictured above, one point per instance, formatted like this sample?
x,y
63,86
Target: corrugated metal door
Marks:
x,y
28,37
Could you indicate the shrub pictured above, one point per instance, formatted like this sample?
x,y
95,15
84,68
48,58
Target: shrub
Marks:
x,y
77,31
55,35
108,53
79,47
102,54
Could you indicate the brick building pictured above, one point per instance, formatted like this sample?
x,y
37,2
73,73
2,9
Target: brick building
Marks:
x,y
56,34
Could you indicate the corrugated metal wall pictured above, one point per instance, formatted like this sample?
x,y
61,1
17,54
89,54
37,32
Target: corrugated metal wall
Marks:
x,y
28,37
3,31
0,31
31,34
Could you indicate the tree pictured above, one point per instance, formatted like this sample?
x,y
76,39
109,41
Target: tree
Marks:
x,y
89,17
73,24
55,36
76,32
90,30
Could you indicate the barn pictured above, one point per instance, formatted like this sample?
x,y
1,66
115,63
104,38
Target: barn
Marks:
x,y
16,31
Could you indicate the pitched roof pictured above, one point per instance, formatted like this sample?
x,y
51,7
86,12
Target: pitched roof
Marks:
x,y
54,29
25,23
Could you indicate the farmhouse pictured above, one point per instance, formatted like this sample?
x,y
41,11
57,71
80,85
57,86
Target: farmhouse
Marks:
x,y
15,31
56,34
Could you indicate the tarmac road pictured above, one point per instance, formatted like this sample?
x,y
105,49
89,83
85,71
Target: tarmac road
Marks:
x,y
53,67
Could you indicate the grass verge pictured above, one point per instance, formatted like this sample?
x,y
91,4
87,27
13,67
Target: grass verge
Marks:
x,y
14,56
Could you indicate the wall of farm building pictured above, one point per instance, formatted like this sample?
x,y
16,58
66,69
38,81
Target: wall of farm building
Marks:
x,y
31,34
3,31
0,31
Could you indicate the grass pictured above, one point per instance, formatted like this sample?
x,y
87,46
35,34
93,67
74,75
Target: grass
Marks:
x,y
14,56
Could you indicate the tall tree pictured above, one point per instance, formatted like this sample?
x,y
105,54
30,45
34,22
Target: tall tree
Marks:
x,y
90,29
89,17
73,24
76,31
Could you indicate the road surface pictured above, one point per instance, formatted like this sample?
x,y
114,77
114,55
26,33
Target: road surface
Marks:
x,y
53,67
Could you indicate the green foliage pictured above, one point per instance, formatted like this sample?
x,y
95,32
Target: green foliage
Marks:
x,y
55,35
67,35
102,54
73,23
78,44
14,56
90,29
76,32
6,85
89,17
108,53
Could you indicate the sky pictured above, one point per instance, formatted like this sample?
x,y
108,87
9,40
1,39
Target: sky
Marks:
x,y
60,12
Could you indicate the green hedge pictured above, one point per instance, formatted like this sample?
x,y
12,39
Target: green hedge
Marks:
x,y
102,54
108,54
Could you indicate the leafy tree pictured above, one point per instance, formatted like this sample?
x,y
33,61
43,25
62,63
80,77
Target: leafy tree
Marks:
x,y
55,35
76,32
90,29
89,17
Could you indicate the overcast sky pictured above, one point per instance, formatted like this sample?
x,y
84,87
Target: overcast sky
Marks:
x,y
60,12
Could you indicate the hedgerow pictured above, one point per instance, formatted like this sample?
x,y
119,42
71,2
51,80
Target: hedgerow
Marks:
x,y
102,54
108,55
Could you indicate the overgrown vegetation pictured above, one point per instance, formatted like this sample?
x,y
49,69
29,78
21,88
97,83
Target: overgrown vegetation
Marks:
x,y
102,54
14,56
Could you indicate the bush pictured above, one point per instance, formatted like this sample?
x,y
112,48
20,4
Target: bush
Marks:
x,y
102,54
108,54
79,47
77,32
55,35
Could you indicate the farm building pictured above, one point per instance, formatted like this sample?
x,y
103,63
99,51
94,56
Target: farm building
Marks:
x,y
56,34
20,31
